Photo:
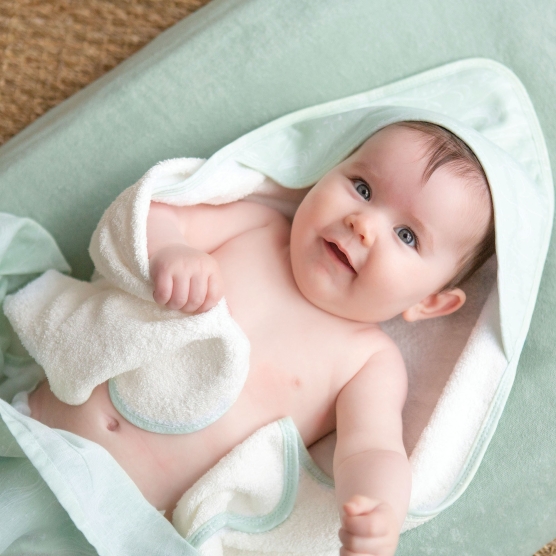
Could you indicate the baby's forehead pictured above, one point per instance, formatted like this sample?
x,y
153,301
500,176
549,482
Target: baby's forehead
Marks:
x,y
393,141
430,143
448,169
420,136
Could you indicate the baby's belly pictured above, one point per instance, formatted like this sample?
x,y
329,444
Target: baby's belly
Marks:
x,y
162,466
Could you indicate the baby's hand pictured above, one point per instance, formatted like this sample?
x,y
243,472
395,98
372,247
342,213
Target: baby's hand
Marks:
x,y
369,527
186,279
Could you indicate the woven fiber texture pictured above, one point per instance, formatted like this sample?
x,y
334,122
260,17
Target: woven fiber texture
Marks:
x,y
50,49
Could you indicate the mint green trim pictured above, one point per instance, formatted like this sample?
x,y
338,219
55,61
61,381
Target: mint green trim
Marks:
x,y
160,427
50,450
501,396
261,524
362,100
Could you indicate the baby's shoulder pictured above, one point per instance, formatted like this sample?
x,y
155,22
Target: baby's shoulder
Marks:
x,y
208,227
249,213
255,209
381,374
374,340
371,350
252,215
381,354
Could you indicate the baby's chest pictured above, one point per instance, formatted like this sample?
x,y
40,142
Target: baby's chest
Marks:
x,y
256,271
263,298
300,355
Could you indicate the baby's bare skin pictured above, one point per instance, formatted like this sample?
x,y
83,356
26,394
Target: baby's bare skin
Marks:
x,y
302,381
370,241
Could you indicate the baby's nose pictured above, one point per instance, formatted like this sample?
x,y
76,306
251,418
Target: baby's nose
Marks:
x,y
363,227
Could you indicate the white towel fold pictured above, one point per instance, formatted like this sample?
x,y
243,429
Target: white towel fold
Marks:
x,y
168,372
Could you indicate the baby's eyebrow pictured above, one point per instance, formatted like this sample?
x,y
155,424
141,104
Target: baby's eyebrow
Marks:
x,y
364,168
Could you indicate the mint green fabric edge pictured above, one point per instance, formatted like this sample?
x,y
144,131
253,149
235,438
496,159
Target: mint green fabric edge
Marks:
x,y
503,32
23,493
26,251
52,476
352,102
478,449
154,426
366,100
20,428
501,396
260,524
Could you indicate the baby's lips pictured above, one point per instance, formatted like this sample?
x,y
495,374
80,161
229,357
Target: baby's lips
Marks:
x,y
342,254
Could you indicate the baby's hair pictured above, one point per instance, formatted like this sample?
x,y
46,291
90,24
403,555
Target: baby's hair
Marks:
x,y
446,149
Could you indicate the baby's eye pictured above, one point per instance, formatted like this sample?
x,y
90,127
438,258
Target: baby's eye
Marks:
x,y
363,189
407,236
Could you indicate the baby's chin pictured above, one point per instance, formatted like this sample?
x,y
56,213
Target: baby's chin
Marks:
x,y
318,299
322,295
339,309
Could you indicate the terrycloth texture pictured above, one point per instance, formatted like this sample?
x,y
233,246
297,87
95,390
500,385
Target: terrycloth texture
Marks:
x,y
168,372
268,484
173,373
26,251
119,244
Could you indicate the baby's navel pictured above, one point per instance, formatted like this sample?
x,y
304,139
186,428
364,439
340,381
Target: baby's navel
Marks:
x,y
113,424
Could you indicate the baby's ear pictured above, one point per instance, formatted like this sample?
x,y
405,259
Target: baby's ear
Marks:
x,y
436,305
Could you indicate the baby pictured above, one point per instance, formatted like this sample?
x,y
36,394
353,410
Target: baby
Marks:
x,y
393,229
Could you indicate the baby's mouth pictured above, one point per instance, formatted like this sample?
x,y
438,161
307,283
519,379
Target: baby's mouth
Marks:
x,y
340,255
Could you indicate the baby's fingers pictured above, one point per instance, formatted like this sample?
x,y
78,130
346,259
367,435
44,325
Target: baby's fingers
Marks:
x,y
163,287
198,286
373,519
374,546
180,293
215,291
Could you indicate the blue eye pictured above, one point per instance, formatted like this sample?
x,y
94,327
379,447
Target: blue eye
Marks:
x,y
407,236
363,189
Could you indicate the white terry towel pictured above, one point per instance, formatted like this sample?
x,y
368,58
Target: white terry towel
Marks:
x,y
168,372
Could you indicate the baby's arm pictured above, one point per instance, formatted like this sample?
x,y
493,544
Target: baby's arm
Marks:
x,y
180,241
371,470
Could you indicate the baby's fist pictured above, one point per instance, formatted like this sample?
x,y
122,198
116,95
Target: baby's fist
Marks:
x,y
185,279
369,527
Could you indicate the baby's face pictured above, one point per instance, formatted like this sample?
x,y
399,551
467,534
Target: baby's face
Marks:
x,y
371,239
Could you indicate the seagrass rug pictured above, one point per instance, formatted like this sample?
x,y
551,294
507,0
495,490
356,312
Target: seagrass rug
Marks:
x,y
51,49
